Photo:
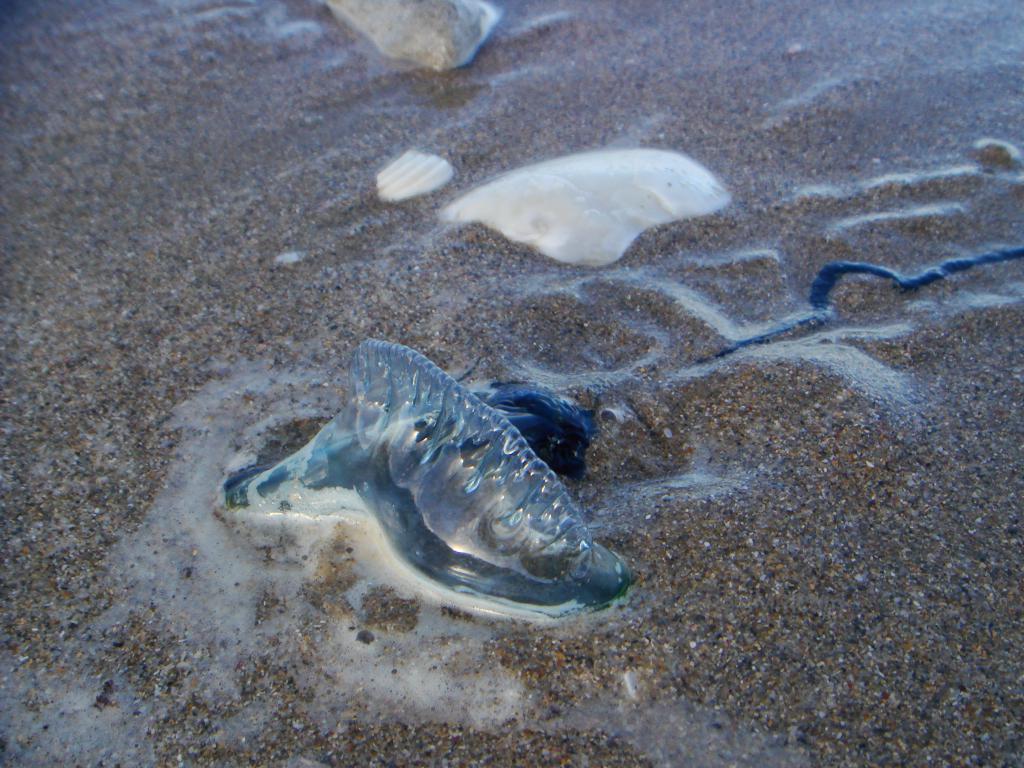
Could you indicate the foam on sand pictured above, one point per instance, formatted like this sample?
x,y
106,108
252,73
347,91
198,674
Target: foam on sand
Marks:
x,y
210,577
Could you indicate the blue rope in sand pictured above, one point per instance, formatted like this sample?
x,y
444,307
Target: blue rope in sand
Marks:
x,y
821,288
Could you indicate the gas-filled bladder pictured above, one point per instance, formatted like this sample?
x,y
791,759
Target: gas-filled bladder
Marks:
x,y
456,489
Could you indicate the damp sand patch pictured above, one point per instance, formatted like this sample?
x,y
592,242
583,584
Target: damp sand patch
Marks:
x,y
309,589
214,602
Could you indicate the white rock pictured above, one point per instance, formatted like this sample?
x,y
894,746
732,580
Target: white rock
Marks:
x,y
436,34
588,208
414,173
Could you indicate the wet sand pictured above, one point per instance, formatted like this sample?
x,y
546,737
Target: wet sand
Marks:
x,y
826,529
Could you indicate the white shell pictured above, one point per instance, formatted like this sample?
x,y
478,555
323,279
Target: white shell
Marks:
x,y
289,257
436,34
414,173
588,208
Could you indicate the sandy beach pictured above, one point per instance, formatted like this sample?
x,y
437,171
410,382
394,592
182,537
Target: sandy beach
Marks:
x,y
826,530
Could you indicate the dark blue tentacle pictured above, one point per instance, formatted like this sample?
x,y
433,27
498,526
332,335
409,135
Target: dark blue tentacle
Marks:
x,y
821,289
557,430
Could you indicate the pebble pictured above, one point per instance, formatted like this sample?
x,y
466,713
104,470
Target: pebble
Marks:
x,y
997,154
365,636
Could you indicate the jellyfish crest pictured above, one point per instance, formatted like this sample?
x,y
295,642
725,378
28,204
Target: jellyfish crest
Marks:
x,y
504,506
456,488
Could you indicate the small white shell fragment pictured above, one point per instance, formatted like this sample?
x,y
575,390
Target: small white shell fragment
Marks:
x,y
289,257
436,34
414,173
589,207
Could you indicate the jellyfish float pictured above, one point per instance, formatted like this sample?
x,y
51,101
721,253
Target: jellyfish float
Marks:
x,y
455,487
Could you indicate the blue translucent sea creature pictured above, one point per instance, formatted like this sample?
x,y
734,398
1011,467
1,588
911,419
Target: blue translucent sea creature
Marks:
x,y
455,487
